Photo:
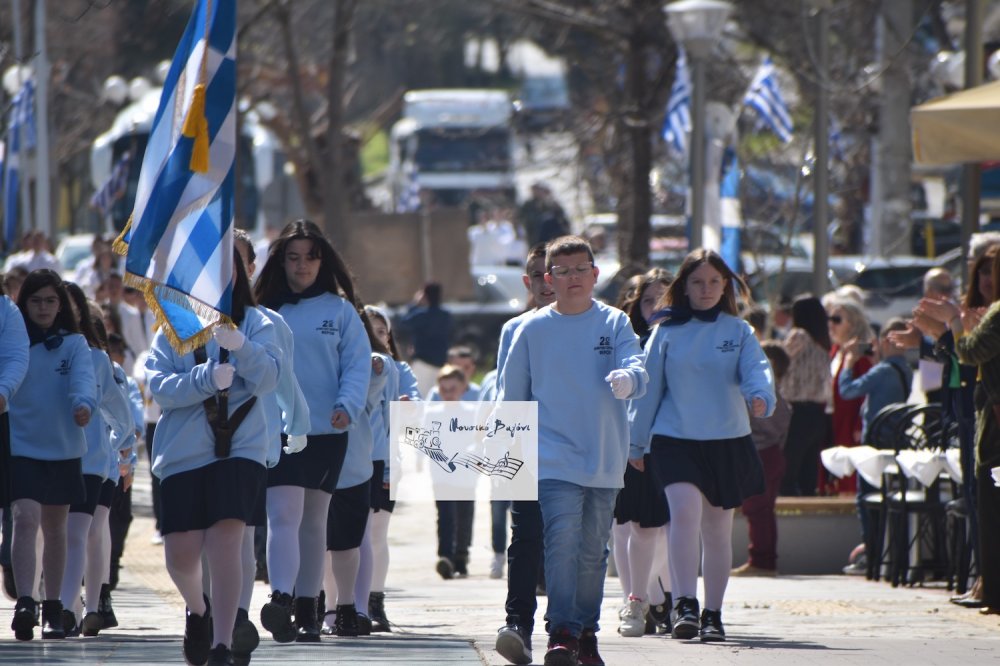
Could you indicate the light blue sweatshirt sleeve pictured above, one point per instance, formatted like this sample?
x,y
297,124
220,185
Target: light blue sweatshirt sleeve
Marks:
x,y
136,402
355,366
257,363
82,381
173,389
514,380
756,376
631,359
642,411
115,406
506,337
13,348
407,381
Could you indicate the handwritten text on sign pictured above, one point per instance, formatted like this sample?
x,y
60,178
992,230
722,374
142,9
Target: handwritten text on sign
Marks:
x,y
443,449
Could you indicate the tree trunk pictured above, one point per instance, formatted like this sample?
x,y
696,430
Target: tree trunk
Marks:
x,y
633,218
336,205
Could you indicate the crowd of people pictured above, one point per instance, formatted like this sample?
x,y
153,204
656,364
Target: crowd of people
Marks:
x,y
659,417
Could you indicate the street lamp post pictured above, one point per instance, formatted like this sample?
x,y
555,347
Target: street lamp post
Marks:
x,y
697,25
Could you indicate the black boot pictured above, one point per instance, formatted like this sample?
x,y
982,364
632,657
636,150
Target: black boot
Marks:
x,y
376,611
276,617
347,620
245,638
52,626
25,619
198,636
220,655
305,618
104,609
69,625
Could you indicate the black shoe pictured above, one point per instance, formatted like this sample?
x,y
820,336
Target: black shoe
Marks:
x,y
261,573
305,618
9,588
461,568
25,619
52,621
105,610
562,650
376,611
445,568
588,655
659,617
364,625
329,627
92,624
69,625
220,656
711,626
276,617
346,623
684,618
245,638
197,636
514,643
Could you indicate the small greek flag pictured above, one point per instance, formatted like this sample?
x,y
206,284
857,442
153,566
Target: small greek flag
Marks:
x,y
731,215
21,126
677,122
764,97
409,198
113,189
179,240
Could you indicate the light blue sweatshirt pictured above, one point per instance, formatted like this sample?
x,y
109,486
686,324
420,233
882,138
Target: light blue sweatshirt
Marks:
x,y
58,381
507,336
183,440
702,375
380,414
286,408
561,361
137,405
357,467
13,348
407,382
332,358
114,414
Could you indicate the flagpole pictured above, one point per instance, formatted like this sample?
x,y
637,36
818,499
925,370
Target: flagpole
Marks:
x,y
821,250
43,203
24,192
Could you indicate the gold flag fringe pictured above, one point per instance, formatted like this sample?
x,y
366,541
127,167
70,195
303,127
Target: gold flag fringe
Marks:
x,y
154,292
120,247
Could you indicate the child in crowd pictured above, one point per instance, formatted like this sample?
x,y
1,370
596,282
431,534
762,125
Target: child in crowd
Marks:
x,y
564,357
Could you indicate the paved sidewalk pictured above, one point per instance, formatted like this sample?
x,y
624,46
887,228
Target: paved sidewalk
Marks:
x,y
787,620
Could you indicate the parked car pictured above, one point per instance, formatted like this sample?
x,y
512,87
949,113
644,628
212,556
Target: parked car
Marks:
x,y
73,249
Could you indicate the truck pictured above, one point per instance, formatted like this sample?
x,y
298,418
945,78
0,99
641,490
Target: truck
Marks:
x,y
451,145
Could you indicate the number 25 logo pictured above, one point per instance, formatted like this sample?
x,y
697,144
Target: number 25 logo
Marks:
x,y
605,341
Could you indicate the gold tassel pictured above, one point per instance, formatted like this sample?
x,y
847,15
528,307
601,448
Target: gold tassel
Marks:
x,y
119,246
196,127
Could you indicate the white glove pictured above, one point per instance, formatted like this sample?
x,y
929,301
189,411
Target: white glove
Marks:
x,y
222,376
621,382
294,444
228,338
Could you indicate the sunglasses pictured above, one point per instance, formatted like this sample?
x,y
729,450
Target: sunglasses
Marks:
x,y
835,319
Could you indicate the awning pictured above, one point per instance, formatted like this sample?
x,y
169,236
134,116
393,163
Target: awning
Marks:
x,y
963,127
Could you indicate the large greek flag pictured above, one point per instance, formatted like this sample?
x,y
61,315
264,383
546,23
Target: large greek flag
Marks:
x,y
677,122
21,127
764,97
179,240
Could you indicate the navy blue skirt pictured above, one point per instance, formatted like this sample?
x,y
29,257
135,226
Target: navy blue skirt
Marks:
x,y
642,500
380,494
50,482
107,493
348,517
726,471
316,467
92,483
201,497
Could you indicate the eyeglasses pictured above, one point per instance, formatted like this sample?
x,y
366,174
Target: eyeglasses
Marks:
x,y
564,271
835,319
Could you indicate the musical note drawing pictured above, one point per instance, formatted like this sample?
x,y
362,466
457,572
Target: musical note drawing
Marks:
x,y
428,442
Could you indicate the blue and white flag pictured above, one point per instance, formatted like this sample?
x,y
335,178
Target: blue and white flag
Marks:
x,y
731,215
179,240
409,198
21,126
114,188
677,122
764,97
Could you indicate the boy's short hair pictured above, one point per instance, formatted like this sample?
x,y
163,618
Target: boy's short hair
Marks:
x,y
537,251
776,354
756,316
565,245
448,371
894,324
462,351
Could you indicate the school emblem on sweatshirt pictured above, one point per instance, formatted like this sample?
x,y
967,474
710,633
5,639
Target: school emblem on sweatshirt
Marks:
x,y
63,368
727,346
603,346
328,327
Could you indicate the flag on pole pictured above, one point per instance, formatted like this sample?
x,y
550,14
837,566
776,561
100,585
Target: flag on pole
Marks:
x,y
731,215
179,241
113,189
21,126
409,198
764,97
677,122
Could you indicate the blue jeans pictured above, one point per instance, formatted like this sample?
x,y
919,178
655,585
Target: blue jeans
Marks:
x,y
498,511
577,524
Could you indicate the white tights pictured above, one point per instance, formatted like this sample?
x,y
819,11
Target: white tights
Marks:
x,y
691,517
77,533
28,516
98,569
378,529
296,539
635,551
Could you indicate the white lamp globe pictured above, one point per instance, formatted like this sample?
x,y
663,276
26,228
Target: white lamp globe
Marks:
x,y
137,88
115,89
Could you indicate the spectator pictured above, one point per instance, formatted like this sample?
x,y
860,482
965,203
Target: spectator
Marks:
x,y
542,217
428,327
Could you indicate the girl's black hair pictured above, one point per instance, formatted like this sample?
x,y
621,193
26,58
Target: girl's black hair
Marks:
x,y
242,295
632,306
101,333
371,313
39,279
333,277
85,317
809,314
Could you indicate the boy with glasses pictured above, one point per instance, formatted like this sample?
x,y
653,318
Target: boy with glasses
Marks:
x,y
563,357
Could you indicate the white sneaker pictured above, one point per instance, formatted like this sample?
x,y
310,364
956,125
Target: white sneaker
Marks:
x,y
157,539
496,566
633,618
